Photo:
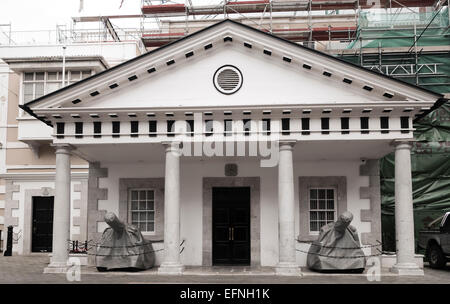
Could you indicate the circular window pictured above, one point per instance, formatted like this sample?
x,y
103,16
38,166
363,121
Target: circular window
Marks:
x,y
228,79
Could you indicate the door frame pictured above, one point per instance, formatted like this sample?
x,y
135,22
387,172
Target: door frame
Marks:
x,y
33,205
247,191
255,215
28,218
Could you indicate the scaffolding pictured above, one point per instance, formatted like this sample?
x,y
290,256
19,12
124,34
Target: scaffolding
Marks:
x,y
408,39
413,46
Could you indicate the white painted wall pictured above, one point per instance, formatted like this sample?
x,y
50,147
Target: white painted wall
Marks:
x,y
266,80
192,173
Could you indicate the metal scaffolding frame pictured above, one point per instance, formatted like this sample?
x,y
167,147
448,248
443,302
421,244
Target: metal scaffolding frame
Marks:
x,y
266,15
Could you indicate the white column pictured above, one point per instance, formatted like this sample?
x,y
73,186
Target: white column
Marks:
x,y
404,217
61,212
171,263
286,206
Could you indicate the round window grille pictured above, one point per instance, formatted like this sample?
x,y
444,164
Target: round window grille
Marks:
x,y
228,79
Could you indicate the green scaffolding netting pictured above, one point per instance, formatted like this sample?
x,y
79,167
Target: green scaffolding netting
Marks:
x,y
400,30
430,157
382,30
430,160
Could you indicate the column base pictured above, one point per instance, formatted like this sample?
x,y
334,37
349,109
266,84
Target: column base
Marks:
x,y
56,267
171,268
288,269
407,269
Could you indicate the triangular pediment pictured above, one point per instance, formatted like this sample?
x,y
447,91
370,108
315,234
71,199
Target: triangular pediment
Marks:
x,y
265,81
274,72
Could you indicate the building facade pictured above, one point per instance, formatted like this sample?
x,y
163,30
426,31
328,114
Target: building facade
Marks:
x,y
27,160
229,146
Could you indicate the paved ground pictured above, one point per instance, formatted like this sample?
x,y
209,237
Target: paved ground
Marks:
x,y
28,269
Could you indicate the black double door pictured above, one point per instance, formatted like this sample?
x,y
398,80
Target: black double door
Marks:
x,y
42,228
231,226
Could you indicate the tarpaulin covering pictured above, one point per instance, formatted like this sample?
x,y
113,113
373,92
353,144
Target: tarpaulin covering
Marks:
x,y
123,246
337,247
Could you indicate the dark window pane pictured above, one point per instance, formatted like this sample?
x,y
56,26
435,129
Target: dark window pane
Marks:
x,y
330,193
150,195
116,128
151,226
152,128
322,216
404,123
330,216
97,129
322,204
313,193
345,125
134,195
78,130
330,204
364,125
285,126
305,126
134,128
384,123
322,193
60,129
325,122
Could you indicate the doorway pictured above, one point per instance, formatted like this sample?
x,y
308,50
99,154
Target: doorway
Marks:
x,y
42,227
231,226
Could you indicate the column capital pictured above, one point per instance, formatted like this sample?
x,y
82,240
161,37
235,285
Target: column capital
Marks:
x,y
286,144
172,146
63,148
402,143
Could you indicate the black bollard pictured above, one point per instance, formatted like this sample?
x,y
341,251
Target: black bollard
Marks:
x,y
9,242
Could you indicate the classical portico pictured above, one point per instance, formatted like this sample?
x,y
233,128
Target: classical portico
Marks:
x,y
300,148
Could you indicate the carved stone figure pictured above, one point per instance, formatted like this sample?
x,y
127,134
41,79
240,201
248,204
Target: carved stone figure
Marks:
x,y
123,246
337,248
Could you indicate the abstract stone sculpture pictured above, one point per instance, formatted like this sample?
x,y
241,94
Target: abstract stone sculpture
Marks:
x,y
337,248
123,246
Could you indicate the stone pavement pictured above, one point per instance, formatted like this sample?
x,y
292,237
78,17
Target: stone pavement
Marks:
x,y
28,269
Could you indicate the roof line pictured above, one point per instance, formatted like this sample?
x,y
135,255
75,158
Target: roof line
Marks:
x,y
126,62
26,106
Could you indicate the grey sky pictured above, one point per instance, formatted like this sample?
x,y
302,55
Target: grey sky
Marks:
x,y
45,14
